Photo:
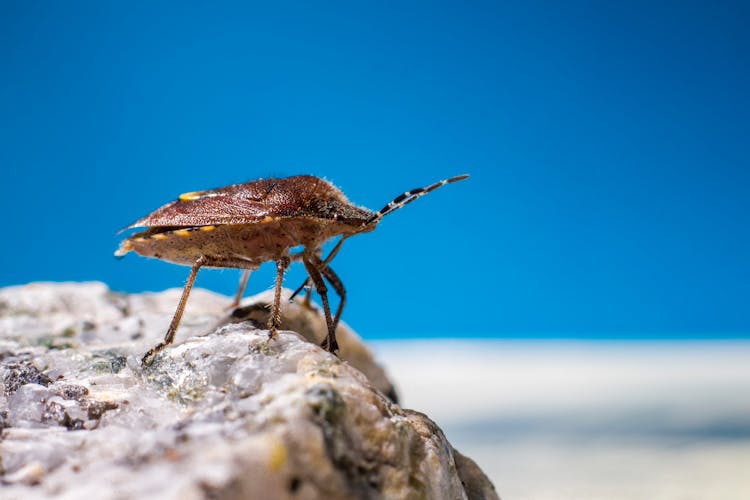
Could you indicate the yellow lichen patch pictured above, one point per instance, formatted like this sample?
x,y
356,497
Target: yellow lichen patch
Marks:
x,y
267,218
160,236
193,195
182,232
208,228
277,457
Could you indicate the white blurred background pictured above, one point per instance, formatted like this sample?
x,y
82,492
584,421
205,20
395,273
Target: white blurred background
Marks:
x,y
569,419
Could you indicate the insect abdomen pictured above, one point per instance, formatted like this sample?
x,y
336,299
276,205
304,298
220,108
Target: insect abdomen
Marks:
x,y
243,246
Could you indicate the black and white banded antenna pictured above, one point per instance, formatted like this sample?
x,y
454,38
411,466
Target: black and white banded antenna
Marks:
x,y
399,202
404,199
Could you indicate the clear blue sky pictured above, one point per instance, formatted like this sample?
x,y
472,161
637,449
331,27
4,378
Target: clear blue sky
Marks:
x,y
607,143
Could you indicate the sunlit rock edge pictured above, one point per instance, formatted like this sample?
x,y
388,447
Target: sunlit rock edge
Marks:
x,y
224,413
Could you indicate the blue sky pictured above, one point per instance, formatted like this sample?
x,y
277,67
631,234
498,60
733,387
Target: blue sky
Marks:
x,y
607,144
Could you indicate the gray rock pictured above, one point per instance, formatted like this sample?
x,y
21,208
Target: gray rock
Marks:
x,y
224,413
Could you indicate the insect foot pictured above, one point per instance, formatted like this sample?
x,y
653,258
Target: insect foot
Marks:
x,y
148,358
244,225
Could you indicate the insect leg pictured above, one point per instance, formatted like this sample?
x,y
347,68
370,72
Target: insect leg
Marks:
x,y
241,289
169,337
338,286
304,285
329,343
275,320
335,250
328,259
308,298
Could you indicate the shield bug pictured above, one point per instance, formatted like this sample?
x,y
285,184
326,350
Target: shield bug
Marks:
x,y
244,225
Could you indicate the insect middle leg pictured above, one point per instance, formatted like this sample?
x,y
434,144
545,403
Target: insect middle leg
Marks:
x,y
169,337
311,262
275,320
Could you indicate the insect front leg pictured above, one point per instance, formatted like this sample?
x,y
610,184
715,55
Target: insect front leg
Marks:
x,y
338,286
328,259
169,337
275,321
309,259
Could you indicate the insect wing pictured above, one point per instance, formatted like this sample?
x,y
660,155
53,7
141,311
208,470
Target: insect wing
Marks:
x,y
206,210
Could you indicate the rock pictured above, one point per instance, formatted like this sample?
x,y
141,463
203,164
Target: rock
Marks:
x,y
221,414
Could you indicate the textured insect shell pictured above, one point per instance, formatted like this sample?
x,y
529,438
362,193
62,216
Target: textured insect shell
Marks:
x,y
246,224
298,196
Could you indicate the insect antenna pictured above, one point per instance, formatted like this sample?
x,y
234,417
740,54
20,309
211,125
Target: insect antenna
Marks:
x,y
404,199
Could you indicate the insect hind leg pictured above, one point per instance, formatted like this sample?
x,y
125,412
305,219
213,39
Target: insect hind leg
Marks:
x,y
172,330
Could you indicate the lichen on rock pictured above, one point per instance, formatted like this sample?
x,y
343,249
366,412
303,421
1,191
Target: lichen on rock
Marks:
x,y
221,414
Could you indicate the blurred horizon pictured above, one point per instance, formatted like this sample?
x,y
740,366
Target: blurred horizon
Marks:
x,y
587,419
606,146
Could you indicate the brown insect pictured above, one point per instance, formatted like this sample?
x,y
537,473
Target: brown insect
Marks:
x,y
243,225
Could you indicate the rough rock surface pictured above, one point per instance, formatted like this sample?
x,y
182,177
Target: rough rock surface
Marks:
x,y
221,414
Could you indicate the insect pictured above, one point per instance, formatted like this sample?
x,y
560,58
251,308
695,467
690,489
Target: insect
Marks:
x,y
244,225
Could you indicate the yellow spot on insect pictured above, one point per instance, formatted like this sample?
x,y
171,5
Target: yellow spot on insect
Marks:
x,y
125,247
267,218
208,228
182,232
159,236
193,195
